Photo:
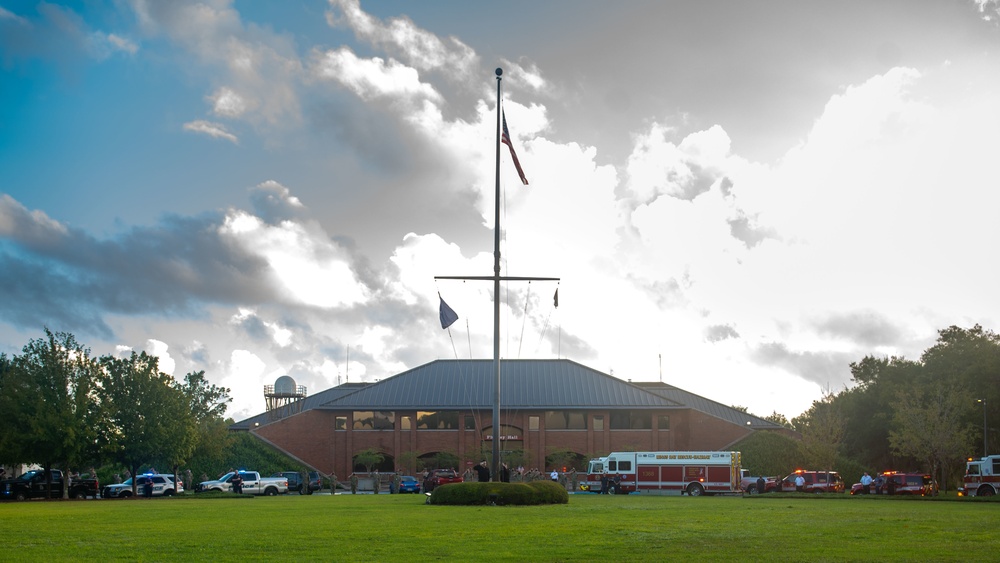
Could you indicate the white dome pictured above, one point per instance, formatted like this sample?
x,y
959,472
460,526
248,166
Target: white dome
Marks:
x,y
284,385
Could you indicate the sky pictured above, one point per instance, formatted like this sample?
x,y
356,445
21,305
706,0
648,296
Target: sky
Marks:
x,y
738,198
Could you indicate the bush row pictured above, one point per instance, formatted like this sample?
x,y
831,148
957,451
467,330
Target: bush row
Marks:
x,y
535,492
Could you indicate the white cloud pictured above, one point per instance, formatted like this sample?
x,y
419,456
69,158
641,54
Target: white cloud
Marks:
x,y
308,267
159,349
400,36
214,130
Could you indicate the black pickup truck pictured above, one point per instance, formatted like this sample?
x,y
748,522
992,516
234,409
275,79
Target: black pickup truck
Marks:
x,y
32,484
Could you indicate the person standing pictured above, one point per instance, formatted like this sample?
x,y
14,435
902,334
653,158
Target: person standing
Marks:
x,y
482,472
554,476
237,483
761,485
800,484
866,483
504,473
354,484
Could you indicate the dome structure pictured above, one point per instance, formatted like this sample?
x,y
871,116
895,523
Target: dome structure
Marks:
x,y
284,385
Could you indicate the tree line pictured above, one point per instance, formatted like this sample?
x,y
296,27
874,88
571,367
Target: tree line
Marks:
x,y
929,414
64,408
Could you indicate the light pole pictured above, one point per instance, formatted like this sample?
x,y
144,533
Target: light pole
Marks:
x,y
983,401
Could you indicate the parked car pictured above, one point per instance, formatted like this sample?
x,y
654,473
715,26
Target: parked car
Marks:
x,y
409,484
33,484
438,477
815,482
295,481
253,484
902,483
749,483
163,485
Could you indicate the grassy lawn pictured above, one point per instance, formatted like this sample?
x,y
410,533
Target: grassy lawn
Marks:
x,y
589,528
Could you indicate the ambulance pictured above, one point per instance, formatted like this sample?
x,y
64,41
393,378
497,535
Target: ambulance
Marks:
x,y
665,473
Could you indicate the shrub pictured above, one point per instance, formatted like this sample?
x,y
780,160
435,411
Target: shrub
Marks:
x,y
538,492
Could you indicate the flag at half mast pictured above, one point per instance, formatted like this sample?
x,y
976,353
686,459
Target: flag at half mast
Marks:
x,y
505,139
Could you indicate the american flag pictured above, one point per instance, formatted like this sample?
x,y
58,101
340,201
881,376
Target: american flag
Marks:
x,y
505,139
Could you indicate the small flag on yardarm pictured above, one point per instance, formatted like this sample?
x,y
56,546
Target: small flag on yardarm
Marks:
x,y
447,314
505,139
555,298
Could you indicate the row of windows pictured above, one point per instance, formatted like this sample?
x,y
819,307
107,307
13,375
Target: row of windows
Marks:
x,y
450,420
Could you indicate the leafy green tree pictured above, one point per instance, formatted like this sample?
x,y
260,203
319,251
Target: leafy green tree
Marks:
x,y
49,401
368,458
769,453
929,425
822,429
407,462
778,418
140,403
206,404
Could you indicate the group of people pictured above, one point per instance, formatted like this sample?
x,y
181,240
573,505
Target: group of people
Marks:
x,y
880,484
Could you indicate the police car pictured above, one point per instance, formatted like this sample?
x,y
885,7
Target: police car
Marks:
x,y
163,485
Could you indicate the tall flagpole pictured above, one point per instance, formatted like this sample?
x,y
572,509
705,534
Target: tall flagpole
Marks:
x,y
496,296
496,278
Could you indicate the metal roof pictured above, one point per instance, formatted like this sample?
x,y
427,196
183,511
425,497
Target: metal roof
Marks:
x,y
308,403
524,384
708,406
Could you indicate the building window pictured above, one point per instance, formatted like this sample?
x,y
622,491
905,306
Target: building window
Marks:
x,y
565,420
374,420
663,422
470,423
532,423
405,422
437,420
599,423
627,420
340,423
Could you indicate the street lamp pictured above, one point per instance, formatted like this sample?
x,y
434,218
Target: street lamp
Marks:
x,y
983,401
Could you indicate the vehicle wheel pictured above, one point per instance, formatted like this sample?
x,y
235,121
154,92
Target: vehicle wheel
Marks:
x,y
985,491
80,495
817,491
752,489
695,490
125,494
270,491
21,496
168,493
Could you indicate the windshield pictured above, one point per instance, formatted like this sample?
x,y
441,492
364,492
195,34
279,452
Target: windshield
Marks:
x,y
28,475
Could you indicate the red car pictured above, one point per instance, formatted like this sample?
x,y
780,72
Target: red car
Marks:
x,y
902,483
814,482
439,477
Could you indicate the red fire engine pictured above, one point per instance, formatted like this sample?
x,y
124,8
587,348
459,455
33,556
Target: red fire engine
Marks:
x,y
693,473
982,477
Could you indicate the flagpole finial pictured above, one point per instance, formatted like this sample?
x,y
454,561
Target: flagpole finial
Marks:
x,y
499,71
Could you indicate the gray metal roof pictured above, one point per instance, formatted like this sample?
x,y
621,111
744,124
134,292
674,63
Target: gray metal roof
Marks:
x,y
308,403
708,406
525,384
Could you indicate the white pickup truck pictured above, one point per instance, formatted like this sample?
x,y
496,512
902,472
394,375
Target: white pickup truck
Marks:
x,y
253,484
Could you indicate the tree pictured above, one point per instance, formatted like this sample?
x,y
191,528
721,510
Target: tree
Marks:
x,y
822,431
769,453
778,418
929,425
49,399
368,458
206,404
140,405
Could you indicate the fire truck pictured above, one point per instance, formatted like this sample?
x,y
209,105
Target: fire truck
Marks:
x,y
982,477
692,473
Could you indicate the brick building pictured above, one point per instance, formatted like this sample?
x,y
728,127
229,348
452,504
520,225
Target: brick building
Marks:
x,y
445,408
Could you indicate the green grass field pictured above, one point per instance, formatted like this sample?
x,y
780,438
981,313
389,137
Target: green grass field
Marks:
x,y
589,528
